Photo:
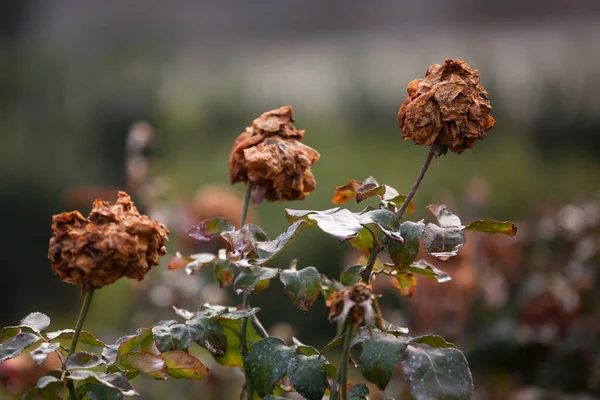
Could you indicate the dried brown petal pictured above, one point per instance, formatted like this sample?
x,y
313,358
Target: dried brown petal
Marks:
x,y
114,241
360,292
353,303
335,302
270,155
448,107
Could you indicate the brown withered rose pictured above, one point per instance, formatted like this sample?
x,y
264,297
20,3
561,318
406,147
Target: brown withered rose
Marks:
x,y
114,241
448,107
355,302
270,155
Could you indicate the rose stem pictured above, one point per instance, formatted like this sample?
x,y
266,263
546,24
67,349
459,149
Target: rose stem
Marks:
x,y
82,314
434,151
370,264
246,296
342,375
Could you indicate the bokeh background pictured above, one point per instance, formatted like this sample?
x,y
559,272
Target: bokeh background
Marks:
x,y
75,76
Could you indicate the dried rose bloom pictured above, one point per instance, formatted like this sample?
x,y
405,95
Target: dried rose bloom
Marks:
x,y
355,301
269,154
114,241
448,107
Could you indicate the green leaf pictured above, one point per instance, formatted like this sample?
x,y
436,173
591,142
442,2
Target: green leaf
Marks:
x,y
199,261
146,362
171,337
242,242
254,279
129,343
36,321
434,341
305,349
8,332
208,333
405,282
422,267
272,397
491,226
363,242
296,215
210,228
308,376
84,337
48,387
226,350
395,202
238,314
265,250
384,224
359,392
436,373
232,329
302,286
335,342
41,353
142,338
403,254
393,329
223,271
342,224
16,344
185,314
181,365
443,242
115,380
351,275
267,363
329,286
93,391
379,355
445,218
82,359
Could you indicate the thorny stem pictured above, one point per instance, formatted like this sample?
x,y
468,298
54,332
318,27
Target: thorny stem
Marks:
x,y
370,264
246,297
342,375
82,314
435,150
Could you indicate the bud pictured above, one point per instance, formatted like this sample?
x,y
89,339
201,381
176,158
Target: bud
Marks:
x,y
114,241
448,107
270,155
353,302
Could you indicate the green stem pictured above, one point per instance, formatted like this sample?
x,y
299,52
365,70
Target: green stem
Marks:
x,y
82,314
435,150
342,375
370,264
260,329
246,204
244,329
246,297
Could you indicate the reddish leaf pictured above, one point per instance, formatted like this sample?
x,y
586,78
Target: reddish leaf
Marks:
x,y
345,193
182,365
405,282
146,362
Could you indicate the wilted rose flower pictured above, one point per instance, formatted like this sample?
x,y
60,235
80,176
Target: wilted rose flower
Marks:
x,y
269,154
355,302
114,241
448,107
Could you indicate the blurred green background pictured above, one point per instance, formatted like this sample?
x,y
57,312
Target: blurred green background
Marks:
x,y
74,76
